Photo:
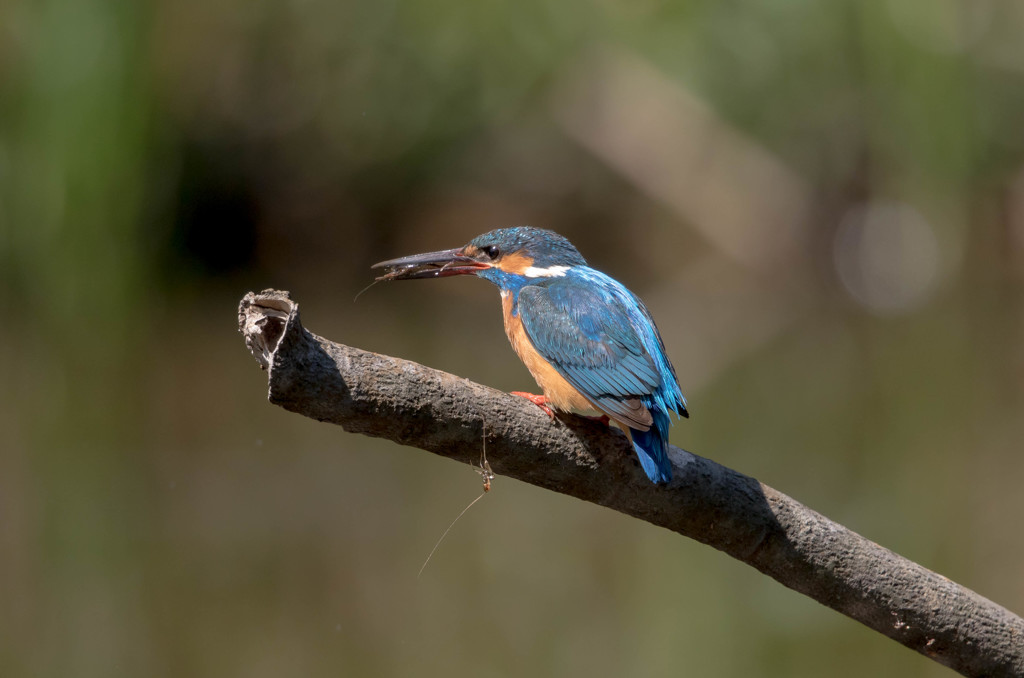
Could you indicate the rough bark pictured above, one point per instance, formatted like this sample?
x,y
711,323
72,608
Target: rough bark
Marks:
x,y
408,403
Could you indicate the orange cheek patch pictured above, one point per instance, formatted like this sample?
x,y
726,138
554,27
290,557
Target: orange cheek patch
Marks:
x,y
517,263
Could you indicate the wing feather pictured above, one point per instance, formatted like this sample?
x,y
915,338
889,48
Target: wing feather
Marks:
x,y
587,335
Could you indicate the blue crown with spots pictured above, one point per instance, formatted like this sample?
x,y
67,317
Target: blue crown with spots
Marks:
x,y
545,247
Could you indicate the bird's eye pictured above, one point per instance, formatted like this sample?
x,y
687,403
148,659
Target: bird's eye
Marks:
x,y
491,251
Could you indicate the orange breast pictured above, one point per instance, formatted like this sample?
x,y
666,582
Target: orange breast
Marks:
x,y
560,393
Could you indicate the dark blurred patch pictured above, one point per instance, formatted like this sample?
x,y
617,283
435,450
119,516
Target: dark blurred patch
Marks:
x,y
216,213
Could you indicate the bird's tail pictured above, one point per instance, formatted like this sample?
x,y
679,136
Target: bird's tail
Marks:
x,y
652,449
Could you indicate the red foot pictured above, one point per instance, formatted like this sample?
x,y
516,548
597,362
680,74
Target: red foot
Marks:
x,y
538,400
603,419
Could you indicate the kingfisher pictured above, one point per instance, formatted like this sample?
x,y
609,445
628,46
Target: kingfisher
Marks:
x,y
590,343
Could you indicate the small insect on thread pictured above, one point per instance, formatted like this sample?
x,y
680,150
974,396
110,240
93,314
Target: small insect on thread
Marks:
x,y
487,475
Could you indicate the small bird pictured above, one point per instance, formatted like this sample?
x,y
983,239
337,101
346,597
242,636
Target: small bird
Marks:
x,y
589,342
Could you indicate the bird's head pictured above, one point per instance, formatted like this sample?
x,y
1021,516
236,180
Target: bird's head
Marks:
x,y
508,257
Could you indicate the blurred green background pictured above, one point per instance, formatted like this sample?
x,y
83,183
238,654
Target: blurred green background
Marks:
x,y
822,203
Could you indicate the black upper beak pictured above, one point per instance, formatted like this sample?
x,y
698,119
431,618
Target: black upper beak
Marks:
x,y
431,265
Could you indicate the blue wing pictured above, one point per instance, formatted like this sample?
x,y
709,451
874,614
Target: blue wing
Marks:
x,y
601,338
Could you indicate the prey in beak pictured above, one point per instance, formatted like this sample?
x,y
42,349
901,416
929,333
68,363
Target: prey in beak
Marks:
x,y
432,265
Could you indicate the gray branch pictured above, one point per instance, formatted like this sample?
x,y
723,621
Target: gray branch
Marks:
x,y
408,403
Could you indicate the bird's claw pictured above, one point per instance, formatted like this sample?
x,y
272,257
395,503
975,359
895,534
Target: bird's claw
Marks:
x,y
538,400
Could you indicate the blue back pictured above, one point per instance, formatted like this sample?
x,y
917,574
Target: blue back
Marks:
x,y
602,340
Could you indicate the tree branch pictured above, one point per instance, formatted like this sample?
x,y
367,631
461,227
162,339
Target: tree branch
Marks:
x,y
414,405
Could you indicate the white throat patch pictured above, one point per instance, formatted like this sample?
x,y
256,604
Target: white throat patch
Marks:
x,y
549,272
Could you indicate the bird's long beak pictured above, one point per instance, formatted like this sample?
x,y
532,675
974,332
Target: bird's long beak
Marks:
x,y
431,265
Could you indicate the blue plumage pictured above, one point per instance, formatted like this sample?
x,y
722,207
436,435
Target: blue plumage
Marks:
x,y
601,338
597,336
